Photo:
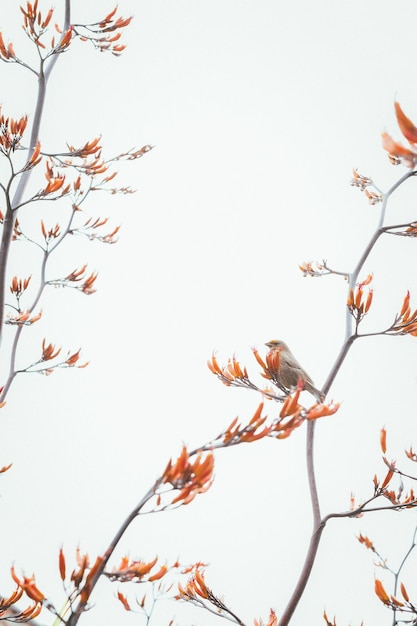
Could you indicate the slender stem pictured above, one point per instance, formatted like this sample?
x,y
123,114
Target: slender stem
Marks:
x,y
76,614
24,179
407,554
311,474
304,576
6,239
350,336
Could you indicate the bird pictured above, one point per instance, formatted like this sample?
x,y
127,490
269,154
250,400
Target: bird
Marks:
x,y
290,371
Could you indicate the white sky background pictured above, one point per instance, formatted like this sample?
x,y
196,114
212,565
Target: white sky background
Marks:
x,y
258,112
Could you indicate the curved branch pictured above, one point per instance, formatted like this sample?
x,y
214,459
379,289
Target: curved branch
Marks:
x,y
318,523
82,605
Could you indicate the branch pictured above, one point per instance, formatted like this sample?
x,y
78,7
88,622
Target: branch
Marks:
x,y
10,216
318,523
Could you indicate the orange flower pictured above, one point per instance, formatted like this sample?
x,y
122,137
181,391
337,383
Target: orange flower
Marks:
x,y
405,322
383,440
272,620
236,433
397,151
404,592
61,561
190,478
356,303
28,585
196,587
35,158
48,351
11,132
322,410
124,601
366,542
406,125
380,592
87,587
358,180
19,285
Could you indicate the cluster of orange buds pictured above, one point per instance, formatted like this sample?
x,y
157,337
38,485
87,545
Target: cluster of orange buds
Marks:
x,y
36,157
410,231
358,303
138,571
76,276
11,133
133,154
411,455
72,360
272,620
84,575
93,168
328,622
381,487
391,601
231,374
313,269
28,585
272,365
190,478
398,153
292,414
55,183
35,25
364,540
32,19
12,614
50,234
196,587
322,410
48,351
236,433
363,182
396,498
17,231
353,506
64,41
358,180
7,53
19,285
87,286
108,237
405,322
7,605
24,318
89,148
90,226
374,197
77,575
197,592
110,24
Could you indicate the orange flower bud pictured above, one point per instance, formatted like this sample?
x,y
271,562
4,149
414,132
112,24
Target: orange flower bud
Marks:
x,y
406,125
383,440
404,592
380,592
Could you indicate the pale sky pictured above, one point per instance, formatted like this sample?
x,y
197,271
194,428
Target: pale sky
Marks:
x,y
258,111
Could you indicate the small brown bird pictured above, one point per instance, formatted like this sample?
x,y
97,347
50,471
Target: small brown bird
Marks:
x,y
290,371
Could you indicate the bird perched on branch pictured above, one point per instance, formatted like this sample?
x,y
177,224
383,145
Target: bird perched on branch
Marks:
x,y
290,371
